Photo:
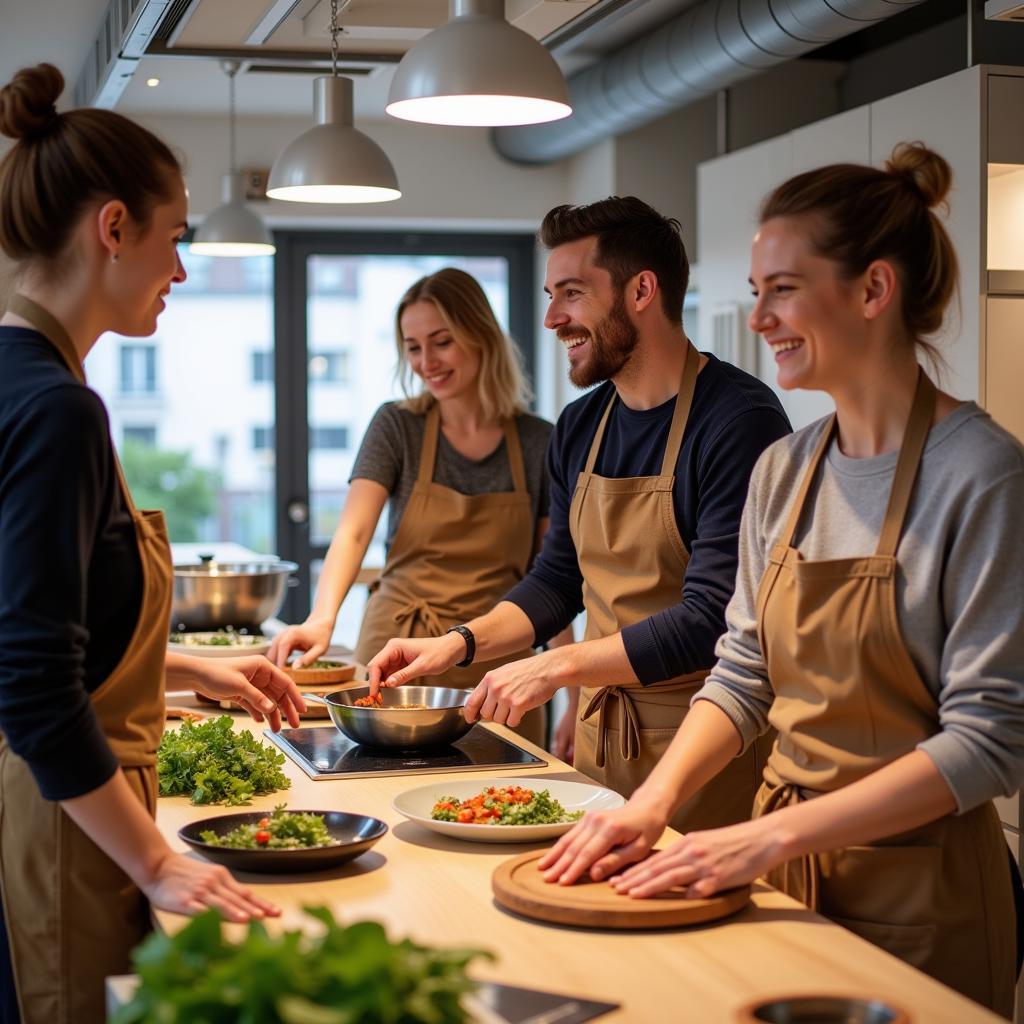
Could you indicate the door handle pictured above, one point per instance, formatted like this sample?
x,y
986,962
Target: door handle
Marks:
x,y
298,512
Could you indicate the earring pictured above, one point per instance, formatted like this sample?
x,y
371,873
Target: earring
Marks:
x,y
114,257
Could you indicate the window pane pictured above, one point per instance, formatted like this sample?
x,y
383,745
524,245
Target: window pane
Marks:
x,y
350,315
191,400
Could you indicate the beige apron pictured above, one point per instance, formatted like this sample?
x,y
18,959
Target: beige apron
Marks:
x,y
453,558
633,562
72,914
849,700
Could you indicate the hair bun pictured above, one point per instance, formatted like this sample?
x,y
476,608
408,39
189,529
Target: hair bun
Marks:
x,y
923,169
28,102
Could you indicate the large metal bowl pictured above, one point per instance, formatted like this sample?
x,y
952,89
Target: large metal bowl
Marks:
x,y
214,595
822,1010
440,723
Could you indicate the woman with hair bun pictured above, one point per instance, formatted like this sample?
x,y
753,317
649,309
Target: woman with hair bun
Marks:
x,y
92,208
877,621
460,465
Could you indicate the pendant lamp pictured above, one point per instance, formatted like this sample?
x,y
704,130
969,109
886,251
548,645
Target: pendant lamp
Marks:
x,y
333,162
232,229
478,70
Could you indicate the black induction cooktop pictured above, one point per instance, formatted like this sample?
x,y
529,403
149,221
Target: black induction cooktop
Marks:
x,y
325,753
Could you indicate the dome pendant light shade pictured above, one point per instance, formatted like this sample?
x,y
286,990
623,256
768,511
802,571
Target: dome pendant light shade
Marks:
x,y
333,162
232,229
478,70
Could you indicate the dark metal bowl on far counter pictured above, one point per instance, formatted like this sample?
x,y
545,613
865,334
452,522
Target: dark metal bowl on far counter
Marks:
x,y
213,595
822,1010
440,722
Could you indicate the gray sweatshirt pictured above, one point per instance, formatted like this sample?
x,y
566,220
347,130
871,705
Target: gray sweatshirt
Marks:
x,y
959,585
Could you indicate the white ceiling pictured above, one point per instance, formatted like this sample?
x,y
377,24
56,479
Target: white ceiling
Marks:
x,y
62,31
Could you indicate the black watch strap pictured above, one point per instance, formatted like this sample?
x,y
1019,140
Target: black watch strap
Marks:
x,y
467,634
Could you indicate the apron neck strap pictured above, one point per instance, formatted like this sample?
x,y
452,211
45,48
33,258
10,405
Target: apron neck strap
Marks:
x,y
516,463
680,414
428,453
51,329
789,532
914,438
908,463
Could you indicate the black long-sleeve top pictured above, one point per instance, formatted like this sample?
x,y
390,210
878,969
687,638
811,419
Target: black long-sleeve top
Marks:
x,y
70,574
734,417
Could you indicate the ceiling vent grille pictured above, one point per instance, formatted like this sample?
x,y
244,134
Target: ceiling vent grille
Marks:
x,y
127,29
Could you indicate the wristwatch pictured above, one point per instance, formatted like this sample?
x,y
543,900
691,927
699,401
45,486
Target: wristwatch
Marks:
x,y
467,634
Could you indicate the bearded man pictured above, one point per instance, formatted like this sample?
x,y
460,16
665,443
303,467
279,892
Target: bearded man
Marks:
x,y
649,474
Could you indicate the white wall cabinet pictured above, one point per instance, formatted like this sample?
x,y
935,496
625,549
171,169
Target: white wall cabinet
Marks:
x,y
945,114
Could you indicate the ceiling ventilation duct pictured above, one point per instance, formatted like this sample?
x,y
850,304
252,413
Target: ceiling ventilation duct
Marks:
x,y
711,46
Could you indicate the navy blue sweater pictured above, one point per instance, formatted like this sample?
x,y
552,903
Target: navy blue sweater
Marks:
x,y
70,575
734,417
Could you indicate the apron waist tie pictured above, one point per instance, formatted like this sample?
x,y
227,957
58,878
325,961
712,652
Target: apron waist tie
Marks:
x,y
788,795
417,609
629,734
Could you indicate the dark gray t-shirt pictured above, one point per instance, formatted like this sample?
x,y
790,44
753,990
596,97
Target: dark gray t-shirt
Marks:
x,y
390,454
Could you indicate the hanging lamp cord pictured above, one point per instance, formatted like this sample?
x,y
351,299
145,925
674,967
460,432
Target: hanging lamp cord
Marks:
x,y
231,120
334,38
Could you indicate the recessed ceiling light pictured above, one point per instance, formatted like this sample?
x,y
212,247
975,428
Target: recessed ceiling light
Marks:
x,y
152,82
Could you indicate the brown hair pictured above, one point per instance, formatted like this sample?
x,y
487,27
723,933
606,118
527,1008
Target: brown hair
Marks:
x,y
63,162
631,236
462,303
861,214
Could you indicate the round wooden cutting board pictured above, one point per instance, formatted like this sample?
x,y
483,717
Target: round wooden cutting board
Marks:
x,y
520,887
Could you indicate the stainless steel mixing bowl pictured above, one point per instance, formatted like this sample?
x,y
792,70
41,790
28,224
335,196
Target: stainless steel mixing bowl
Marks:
x,y
213,595
823,1010
440,723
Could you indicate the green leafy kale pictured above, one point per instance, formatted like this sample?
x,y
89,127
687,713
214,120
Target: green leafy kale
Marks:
x,y
352,975
213,764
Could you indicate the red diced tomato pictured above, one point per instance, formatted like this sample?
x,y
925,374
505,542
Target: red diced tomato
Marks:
x,y
262,837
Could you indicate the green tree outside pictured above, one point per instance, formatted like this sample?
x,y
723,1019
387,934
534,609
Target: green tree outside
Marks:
x,y
167,480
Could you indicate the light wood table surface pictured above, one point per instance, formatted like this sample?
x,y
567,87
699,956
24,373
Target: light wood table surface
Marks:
x,y
437,891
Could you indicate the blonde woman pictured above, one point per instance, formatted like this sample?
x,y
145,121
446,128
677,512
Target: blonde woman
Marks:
x,y
460,466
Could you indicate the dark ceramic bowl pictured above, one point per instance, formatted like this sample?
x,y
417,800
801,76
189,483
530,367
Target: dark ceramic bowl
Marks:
x,y
354,834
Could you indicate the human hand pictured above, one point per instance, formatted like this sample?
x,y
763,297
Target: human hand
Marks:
x,y
505,694
563,744
312,637
605,842
186,886
704,863
253,682
405,659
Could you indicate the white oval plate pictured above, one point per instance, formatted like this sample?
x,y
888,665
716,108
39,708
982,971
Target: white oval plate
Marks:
x,y
249,645
416,805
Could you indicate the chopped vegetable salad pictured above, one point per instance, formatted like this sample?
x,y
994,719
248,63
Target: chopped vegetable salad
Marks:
x,y
283,830
511,805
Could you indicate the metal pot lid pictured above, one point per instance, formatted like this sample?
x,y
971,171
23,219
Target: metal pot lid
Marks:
x,y
209,567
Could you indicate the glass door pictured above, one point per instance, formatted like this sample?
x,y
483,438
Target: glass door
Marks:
x,y
336,360
192,408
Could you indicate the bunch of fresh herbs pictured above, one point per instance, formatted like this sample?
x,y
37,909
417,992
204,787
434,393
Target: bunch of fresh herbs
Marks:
x,y
213,764
352,975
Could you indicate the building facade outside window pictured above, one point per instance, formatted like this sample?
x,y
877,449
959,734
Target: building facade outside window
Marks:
x,y
262,439
138,370
139,434
262,367
329,368
334,438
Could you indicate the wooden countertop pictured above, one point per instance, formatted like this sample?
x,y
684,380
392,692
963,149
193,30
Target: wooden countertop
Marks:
x,y
438,891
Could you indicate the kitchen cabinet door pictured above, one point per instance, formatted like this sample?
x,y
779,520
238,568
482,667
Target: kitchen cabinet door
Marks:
x,y
1004,362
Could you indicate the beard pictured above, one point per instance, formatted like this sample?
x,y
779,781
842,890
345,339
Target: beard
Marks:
x,y
612,342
